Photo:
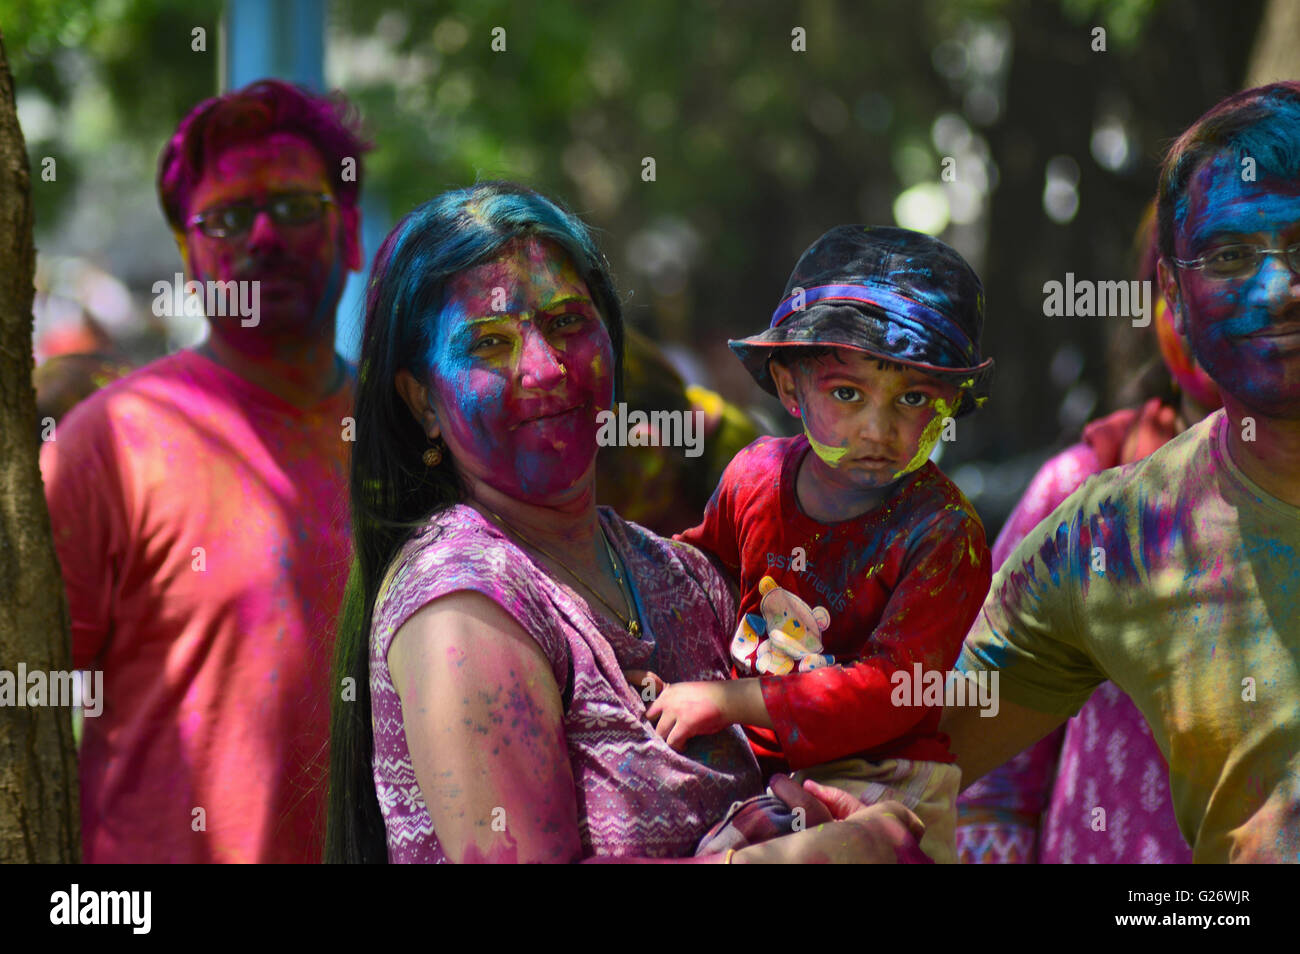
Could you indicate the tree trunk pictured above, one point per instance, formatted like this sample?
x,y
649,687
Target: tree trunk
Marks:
x,y
39,812
1276,55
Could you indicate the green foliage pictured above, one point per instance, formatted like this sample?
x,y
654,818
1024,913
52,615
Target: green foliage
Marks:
x,y
1124,20
740,125
118,75
757,148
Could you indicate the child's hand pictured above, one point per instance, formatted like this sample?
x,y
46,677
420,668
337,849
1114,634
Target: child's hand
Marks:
x,y
684,710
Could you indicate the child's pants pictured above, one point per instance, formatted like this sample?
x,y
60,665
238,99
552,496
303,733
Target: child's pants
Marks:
x,y
927,788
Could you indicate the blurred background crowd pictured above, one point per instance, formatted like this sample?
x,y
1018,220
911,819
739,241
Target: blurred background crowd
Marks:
x,y
1054,131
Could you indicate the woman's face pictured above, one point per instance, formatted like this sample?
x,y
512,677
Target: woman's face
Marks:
x,y
522,363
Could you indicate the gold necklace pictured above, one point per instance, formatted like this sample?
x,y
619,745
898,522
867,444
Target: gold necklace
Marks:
x,y
629,621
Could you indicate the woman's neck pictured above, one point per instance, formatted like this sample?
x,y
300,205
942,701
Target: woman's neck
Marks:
x,y
565,537
568,528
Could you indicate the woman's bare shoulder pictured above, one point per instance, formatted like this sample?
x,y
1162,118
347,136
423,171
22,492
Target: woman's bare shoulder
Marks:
x,y
458,553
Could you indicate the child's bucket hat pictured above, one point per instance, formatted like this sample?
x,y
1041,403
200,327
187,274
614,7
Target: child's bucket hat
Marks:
x,y
891,293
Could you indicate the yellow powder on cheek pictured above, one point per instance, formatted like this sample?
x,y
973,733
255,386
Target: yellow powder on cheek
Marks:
x,y
930,436
831,455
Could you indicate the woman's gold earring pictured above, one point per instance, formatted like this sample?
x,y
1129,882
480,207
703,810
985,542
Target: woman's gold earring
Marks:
x,y
433,456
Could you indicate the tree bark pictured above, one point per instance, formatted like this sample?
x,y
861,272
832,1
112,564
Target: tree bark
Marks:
x,y
1276,55
39,811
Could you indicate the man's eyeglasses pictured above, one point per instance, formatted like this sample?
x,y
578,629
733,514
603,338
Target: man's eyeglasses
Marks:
x,y
1239,261
291,208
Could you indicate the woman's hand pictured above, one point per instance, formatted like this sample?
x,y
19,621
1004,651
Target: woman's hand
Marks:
x,y
840,803
882,834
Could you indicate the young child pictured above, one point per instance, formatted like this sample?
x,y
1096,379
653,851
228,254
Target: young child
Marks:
x,y
855,556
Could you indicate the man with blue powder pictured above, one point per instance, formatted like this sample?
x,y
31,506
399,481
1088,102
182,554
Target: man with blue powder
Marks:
x,y
1175,576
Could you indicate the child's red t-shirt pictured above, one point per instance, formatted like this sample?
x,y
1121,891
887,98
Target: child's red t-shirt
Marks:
x,y
901,584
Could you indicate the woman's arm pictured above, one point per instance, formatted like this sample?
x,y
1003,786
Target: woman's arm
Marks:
x,y
485,728
885,833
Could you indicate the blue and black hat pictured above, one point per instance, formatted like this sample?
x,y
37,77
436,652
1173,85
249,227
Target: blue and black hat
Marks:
x,y
897,295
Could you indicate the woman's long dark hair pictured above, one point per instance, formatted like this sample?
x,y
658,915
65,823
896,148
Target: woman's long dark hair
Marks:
x,y
392,491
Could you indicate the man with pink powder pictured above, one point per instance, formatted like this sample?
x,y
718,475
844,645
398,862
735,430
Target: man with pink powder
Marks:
x,y
199,505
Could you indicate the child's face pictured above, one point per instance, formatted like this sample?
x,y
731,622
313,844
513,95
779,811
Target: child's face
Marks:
x,y
868,423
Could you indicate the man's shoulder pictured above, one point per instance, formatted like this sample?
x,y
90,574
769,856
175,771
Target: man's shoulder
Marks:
x,y
1188,457
126,410
1105,509
146,384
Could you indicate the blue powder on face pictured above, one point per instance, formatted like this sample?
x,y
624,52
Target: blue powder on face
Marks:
x,y
450,361
1219,206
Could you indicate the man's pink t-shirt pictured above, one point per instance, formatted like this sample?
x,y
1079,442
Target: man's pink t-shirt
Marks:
x,y
201,524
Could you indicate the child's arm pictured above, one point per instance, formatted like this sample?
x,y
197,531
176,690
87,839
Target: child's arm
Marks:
x,y
836,711
687,709
684,710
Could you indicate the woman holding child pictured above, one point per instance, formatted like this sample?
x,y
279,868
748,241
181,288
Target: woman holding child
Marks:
x,y
493,608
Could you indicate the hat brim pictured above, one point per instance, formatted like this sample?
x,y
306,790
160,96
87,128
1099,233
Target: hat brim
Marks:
x,y
864,330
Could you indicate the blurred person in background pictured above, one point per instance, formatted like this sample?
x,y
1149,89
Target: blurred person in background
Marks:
x,y
199,505
87,332
663,488
64,381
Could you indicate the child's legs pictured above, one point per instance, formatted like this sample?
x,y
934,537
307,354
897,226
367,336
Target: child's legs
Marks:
x,y
927,788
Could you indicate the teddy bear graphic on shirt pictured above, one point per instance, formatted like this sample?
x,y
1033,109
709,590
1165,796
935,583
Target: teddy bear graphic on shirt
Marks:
x,y
784,635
